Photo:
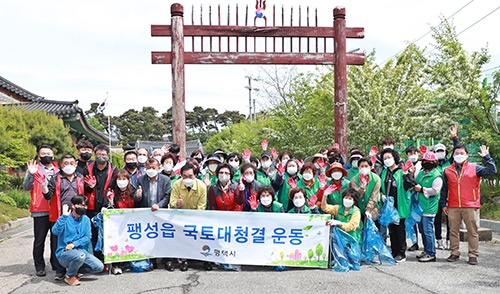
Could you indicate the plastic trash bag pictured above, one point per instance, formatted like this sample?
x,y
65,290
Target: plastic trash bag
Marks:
x,y
97,222
374,249
139,266
345,250
415,217
389,213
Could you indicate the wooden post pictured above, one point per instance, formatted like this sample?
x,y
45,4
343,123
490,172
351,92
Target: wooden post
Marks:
x,y
340,79
178,92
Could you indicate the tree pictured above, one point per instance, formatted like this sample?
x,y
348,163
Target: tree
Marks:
x,y
133,125
277,83
319,250
310,254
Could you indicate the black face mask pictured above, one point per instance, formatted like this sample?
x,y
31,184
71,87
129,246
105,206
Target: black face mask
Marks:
x,y
85,155
428,165
131,165
198,159
333,159
80,211
46,159
101,159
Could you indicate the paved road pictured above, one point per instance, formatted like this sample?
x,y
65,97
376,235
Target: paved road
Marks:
x,y
17,276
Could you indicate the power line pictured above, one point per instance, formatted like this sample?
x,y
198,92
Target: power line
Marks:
x,y
430,31
491,68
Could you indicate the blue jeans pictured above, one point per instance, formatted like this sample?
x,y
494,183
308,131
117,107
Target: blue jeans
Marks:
x,y
80,261
426,227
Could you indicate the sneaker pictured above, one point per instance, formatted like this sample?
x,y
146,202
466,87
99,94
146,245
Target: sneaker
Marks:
x,y
453,258
184,266
413,247
421,255
280,268
440,245
59,276
116,271
72,281
208,266
427,258
472,260
169,266
400,258
40,273
79,276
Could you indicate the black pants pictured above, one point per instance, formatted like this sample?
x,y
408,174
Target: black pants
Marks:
x,y
438,225
53,248
41,226
397,234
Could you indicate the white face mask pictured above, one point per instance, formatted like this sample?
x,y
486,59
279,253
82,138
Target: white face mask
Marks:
x,y
122,183
291,170
354,163
364,171
157,158
69,169
347,202
249,178
142,159
212,167
234,164
188,182
441,154
266,201
151,172
299,202
336,175
168,167
266,164
413,158
460,158
389,162
284,161
307,176
223,178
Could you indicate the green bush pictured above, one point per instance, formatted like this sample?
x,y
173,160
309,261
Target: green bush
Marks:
x,y
22,198
4,180
16,182
7,200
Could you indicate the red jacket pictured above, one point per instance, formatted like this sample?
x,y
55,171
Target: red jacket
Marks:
x,y
463,190
38,203
91,195
55,202
230,200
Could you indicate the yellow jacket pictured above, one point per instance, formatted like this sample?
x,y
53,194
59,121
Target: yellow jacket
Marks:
x,y
196,198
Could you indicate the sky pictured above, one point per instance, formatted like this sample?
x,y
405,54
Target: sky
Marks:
x,y
87,51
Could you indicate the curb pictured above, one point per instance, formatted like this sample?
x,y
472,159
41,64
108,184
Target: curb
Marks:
x,y
14,224
490,224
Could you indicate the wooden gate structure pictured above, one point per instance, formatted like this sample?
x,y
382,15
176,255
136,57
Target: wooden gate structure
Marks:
x,y
274,53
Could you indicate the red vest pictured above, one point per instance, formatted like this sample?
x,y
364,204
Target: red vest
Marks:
x,y
38,202
55,202
463,191
91,195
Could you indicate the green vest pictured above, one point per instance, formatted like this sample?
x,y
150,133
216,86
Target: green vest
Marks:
x,y
305,210
282,196
345,218
352,172
363,200
275,206
429,205
237,175
336,197
309,191
174,178
263,178
403,195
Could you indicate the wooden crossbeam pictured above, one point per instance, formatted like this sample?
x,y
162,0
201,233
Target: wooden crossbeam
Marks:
x,y
256,58
248,31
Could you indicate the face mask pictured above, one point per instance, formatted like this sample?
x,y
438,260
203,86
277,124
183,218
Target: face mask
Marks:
x,y
223,178
151,172
460,158
212,167
413,158
284,161
354,163
188,182
347,202
292,170
389,162
122,183
85,155
80,211
46,159
299,202
266,201
364,171
131,165
198,159
101,159
307,176
249,178
234,164
266,164
142,159
441,154
388,147
69,169
336,175
168,167
428,165
157,158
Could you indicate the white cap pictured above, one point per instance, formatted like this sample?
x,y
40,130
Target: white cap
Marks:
x,y
439,147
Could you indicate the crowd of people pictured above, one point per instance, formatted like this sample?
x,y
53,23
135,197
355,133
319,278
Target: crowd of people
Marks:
x,y
66,195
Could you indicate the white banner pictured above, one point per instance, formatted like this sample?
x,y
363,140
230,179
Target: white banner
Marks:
x,y
252,238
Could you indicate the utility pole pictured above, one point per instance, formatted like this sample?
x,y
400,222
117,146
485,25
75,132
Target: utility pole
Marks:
x,y
249,87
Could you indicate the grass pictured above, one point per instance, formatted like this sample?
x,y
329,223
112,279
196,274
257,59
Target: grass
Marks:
x,y
8,213
14,204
